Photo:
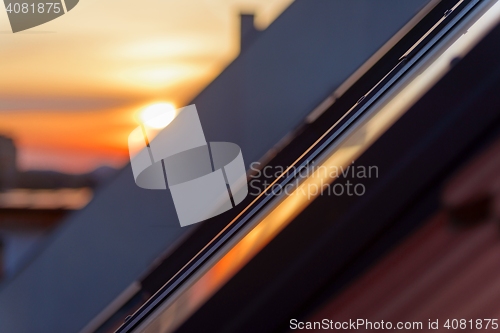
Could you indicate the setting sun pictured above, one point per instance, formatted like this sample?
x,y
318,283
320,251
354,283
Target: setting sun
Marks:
x,y
158,115
93,97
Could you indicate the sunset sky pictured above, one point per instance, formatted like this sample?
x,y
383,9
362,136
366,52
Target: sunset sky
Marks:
x,y
70,89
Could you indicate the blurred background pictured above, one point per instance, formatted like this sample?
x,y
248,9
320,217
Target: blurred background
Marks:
x,y
83,77
72,90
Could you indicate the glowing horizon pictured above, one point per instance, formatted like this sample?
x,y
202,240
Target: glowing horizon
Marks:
x,y
71,88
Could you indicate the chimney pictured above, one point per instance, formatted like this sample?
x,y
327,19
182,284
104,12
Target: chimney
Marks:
x,y
248,31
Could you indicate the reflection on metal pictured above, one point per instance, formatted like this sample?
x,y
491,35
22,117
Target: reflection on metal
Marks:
x,y
351,145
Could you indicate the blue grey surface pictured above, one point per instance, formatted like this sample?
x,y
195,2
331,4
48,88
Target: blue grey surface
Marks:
x,y
98,253
287,71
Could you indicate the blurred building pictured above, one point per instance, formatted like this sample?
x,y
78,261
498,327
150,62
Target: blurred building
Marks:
x,y
8,169
34,202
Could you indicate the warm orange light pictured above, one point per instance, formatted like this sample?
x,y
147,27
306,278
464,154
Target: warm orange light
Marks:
x,y
158,115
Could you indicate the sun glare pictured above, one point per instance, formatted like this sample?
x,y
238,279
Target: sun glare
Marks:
x,y
158,115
